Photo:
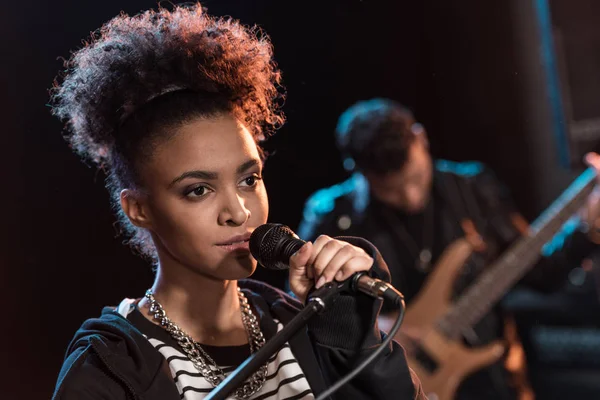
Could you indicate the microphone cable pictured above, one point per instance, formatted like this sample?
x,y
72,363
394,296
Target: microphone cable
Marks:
x,y
370,358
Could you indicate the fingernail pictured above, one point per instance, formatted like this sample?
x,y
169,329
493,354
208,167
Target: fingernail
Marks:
x,y
339,276
320,282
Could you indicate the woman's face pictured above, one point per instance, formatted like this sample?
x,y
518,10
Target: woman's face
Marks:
x,y
204,196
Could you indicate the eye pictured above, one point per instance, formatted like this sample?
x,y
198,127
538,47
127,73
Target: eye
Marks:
x,y
198,191
250,181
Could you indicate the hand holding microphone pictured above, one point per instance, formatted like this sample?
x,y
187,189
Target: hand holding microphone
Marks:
x,y
322,262
276,246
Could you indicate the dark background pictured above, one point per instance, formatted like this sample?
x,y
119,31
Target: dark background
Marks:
x,y
485,78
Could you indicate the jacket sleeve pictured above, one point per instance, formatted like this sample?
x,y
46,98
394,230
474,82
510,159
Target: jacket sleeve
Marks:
x,y
565,251
83,378
347,333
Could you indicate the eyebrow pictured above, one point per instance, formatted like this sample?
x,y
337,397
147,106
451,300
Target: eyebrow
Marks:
x,y
210,175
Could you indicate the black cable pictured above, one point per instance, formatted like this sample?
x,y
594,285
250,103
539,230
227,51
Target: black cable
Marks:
x,y
369,359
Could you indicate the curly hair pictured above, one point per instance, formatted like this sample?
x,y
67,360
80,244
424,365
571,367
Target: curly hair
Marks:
x,y
376,134
138,75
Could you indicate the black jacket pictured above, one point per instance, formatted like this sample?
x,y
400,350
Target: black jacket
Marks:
x,y
110,359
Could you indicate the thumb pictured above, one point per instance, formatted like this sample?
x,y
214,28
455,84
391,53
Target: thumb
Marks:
x,y
299,259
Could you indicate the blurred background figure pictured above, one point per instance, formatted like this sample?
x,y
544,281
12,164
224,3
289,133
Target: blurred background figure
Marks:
x,y
413,208
511,84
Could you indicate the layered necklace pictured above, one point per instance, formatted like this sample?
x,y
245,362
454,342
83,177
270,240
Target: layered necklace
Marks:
x,y
200,358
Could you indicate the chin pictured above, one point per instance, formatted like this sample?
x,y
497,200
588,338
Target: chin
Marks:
x,y
414,209
244,266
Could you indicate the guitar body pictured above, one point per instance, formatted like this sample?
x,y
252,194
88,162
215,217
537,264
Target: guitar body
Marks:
x,y
454,363
444,362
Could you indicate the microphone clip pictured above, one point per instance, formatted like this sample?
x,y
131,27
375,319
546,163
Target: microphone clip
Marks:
x,y
321,297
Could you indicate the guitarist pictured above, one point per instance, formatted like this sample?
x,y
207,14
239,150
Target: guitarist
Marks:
x,y
412,207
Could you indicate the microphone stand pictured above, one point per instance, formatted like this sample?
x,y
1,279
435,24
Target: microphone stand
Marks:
x,y
317,302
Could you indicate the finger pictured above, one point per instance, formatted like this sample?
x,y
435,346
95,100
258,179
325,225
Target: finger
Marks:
x,y
324,257
355,264
299,259
591,211
317,246
593,160
331,268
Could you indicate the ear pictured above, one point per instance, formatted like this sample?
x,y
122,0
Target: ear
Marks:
x,y
420,133
135,207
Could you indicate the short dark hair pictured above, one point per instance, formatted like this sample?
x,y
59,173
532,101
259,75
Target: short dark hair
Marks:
x,y
139,75
376,134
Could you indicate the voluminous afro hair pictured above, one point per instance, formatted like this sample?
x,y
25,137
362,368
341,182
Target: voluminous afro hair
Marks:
x,y
376,134
157,69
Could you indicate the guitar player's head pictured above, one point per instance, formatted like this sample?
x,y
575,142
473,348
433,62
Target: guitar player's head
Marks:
x,y
381,139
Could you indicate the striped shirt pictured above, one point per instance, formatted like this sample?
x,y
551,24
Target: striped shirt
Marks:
x,y
285,379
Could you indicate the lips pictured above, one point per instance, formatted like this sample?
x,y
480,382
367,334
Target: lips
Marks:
x,y
236,243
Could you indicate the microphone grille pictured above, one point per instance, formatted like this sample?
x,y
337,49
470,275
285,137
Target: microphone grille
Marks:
x,y
264,241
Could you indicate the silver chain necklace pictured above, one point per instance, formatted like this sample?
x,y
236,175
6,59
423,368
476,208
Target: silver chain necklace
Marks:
x,y
200,358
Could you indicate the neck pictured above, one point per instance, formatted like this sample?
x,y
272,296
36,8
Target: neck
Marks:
x,y
205,308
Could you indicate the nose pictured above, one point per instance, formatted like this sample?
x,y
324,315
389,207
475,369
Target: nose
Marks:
x,y
233,210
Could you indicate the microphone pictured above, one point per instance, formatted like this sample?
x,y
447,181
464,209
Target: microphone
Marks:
x,y
272,245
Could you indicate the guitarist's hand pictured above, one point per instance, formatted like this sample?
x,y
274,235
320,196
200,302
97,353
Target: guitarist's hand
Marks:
x,y
591,212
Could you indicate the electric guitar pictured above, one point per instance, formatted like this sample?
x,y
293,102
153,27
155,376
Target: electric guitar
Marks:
x,y
439,357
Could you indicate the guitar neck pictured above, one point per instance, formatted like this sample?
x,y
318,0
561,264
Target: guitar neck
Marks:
x,y
503,274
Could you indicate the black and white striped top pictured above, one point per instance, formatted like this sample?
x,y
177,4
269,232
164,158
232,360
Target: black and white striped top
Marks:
x,y
285,379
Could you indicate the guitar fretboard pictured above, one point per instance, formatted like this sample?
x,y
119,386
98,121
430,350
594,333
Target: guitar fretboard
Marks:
x,y
499,277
